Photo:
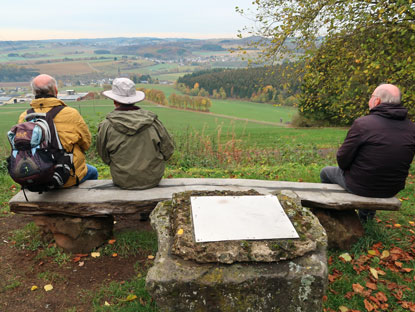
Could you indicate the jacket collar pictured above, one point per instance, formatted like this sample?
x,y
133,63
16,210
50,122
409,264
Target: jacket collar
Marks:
x,y
46,102
390,111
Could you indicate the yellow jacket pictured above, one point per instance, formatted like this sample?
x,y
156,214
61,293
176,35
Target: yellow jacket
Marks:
x,y
73,132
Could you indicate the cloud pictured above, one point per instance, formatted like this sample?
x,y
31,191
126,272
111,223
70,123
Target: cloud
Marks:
x,y
26,19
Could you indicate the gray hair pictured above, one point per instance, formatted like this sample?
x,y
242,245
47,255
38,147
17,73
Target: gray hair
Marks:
x,y
45,90
388,97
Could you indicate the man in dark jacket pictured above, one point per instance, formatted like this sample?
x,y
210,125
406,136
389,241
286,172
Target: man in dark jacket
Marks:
x,y
375,156
132,141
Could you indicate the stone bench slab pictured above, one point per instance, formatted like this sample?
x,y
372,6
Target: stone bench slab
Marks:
x,y
101,197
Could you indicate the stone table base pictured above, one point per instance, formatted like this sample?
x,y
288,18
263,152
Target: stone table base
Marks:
x,y
75,234
179,285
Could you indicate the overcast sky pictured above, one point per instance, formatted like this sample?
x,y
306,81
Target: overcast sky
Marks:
x,y
47,19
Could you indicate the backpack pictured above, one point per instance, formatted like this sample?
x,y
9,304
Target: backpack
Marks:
x,y
38,161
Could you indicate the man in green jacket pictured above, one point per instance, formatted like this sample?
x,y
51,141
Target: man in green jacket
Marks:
x,y
132,141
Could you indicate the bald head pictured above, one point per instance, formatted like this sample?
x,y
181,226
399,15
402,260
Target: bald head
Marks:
x,y
388,94
44,86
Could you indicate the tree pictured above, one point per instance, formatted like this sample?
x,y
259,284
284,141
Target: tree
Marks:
x,y
365,43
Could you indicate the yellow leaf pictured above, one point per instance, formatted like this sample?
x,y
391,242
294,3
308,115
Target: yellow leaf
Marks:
x,y
95,254
131,297
346,257
48,287
111,241
343,309
372,252
106,303
397,225
180,232
150,257
374,272
385,254
114,255
412,223
34,287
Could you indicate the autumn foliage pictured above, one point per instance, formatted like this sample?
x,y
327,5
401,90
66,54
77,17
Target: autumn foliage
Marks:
x,y
345,49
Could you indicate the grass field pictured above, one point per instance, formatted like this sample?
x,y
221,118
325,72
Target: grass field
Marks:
x,y
171,77
250,110
178,121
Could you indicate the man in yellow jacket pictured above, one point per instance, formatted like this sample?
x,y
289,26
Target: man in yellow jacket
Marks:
x,y
71,127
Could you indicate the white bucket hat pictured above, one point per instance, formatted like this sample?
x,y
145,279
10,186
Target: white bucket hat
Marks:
x,y
124,92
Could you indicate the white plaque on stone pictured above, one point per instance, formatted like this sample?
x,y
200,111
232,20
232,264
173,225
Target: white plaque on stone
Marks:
x,y
223,218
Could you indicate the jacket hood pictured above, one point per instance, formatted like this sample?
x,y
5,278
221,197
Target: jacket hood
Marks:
x,y
131,122
390,111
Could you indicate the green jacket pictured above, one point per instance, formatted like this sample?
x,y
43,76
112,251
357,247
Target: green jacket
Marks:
x,y
135,145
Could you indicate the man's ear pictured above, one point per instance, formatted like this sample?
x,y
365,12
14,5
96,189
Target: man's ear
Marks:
x,y
377,101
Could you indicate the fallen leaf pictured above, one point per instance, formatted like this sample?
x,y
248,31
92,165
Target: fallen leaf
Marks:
x,y
111,241
372,286
142,302
372,252
374,272
398,264
411,223
380,272
346,257
407,270
368,305
106,303
95,254
34,287
130,297
385,254
76,259
114,255
397,225
81,264
343,309
381,297
358,288
48,287
150,257
81,255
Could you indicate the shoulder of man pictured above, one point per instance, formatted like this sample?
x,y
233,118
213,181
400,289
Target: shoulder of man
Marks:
x,y
70,114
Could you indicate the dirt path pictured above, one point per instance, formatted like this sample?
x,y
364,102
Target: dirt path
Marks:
x,y
73,285
93,68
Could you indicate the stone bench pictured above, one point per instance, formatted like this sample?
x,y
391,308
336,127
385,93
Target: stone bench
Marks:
x,y
91,205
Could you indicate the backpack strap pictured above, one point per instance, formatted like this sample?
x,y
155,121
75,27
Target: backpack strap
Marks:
x,y
55,141
50,115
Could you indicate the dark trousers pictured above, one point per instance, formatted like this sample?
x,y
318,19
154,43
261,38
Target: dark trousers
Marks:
x,y
334,175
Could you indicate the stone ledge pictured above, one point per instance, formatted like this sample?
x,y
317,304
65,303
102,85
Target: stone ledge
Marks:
x,y
101,197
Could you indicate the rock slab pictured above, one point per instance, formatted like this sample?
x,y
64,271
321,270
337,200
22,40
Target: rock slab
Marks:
x,y
343,227
75,234
176,284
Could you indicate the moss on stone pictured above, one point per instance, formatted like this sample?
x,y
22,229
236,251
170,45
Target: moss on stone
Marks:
x,y
184,245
